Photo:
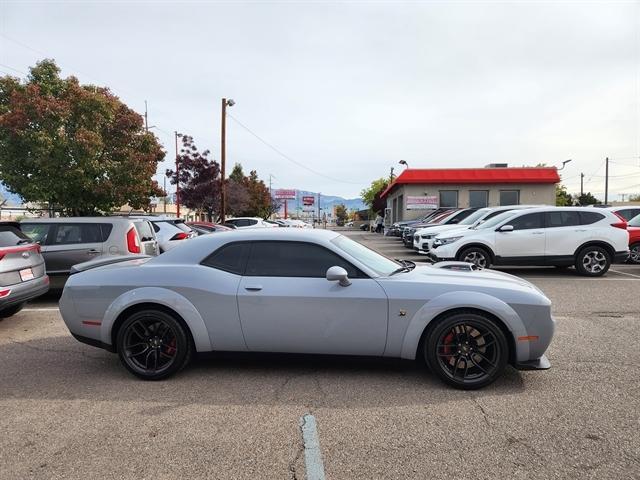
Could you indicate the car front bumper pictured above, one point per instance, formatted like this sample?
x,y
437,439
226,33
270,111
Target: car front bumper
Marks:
x,y
25,291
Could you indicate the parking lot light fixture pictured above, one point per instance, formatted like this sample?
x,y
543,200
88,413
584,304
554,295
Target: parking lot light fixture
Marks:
x,y
564,164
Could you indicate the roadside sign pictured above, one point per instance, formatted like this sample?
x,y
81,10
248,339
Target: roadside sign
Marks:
x,y
426,202
285,194
308,203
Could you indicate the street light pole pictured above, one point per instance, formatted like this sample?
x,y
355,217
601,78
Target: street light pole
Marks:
x,y
223,156
177,178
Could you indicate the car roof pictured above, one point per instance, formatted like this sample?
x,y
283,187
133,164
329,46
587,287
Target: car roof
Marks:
x,y
77,220
244,218
198,248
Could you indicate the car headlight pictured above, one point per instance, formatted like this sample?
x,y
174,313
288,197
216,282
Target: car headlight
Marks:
x,y
428,237
445,241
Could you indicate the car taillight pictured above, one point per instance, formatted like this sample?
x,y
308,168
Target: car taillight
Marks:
x,y
621,224
180,236
133,245
5,292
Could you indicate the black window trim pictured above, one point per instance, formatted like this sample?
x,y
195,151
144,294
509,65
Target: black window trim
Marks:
x,y
247,255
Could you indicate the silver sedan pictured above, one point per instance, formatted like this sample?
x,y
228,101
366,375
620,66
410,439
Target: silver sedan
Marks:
x,y
306,291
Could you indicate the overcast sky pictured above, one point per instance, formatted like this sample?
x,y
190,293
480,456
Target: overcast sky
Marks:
x,y
348,89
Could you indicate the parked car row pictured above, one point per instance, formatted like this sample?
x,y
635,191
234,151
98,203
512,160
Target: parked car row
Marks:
x,y
591,239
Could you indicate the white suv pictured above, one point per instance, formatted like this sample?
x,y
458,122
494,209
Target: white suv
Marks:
x,y
587,238
423,238
250,222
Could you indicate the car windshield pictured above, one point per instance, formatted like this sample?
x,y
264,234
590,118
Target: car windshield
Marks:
x,y
634,222
378,263
11,236
496,220
477,215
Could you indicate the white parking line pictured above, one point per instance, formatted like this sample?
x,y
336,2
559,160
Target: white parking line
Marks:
x,y
312,454
625,273
43,309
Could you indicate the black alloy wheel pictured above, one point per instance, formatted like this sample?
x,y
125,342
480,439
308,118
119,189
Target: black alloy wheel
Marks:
x,y
467,350
593,261
153,345
476,255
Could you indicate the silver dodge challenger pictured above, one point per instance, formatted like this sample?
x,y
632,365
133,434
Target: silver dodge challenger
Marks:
x,y
310,292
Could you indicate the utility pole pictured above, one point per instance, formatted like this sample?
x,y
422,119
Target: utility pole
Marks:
x,y
146,120
318,206
165,193
223,156
177,178
581,184
606,182
623,195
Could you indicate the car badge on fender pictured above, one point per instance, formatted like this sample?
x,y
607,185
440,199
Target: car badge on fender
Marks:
x,y
25,254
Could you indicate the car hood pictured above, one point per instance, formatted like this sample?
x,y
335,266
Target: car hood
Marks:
x,y
458,232
472,279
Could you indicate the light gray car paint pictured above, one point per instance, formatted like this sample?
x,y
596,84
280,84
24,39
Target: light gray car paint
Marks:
x,y
375,316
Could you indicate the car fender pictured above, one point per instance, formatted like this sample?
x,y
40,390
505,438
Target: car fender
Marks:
x,y
165,297
460,300
476,243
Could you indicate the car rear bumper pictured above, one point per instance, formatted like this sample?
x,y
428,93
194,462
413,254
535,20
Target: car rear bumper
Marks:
x,y
541,363
620,257
25,291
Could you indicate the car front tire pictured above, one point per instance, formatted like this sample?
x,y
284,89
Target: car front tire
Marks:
x,y
634,253
10,311
593,261
476,255
153,345
467,350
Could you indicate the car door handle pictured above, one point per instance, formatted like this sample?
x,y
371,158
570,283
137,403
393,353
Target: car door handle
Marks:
x,y
537,233
253,288
93,252
582,230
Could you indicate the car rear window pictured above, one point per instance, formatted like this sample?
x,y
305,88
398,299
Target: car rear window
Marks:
x,y
144,231
587,218
229,258
181,225
11,236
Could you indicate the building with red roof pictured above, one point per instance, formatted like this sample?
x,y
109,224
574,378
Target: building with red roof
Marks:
x,y
417,190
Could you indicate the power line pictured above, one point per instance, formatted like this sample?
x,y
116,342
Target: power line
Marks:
x,y
14,69
286,157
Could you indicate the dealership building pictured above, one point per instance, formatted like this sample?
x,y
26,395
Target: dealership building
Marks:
x,y
416,190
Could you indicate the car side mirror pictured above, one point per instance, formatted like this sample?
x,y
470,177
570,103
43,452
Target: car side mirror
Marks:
x,y
506,228
338,274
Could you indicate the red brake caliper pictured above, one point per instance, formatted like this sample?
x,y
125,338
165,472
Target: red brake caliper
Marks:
x,y
447,341
171,347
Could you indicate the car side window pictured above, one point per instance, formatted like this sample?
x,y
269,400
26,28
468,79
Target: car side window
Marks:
x,y
231,258
105,231
527,222
628,213
242,222
67,234
38,232
493,214
587,218
562,219
294,259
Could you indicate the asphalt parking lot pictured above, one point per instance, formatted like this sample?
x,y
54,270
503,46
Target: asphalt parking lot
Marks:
x,y
71,411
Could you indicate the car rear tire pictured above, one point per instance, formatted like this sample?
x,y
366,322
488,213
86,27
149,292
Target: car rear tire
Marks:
x,y
476,255
593,261
634,253
467,350
153,345
10,311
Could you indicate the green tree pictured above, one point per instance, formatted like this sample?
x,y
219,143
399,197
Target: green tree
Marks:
x,y
563,199
341,213
634,198
75,147
371,196
586,199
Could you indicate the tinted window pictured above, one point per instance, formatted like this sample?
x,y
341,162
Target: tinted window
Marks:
x,y
449,198
229,258
77,233
11,236
251,222
509,197
105,231
478,198
587,218
628,213
145,231
38,232
527,222
562,219
461,215
294,259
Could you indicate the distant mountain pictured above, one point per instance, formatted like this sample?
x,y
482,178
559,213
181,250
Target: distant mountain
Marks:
x,y
11,198
327,202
